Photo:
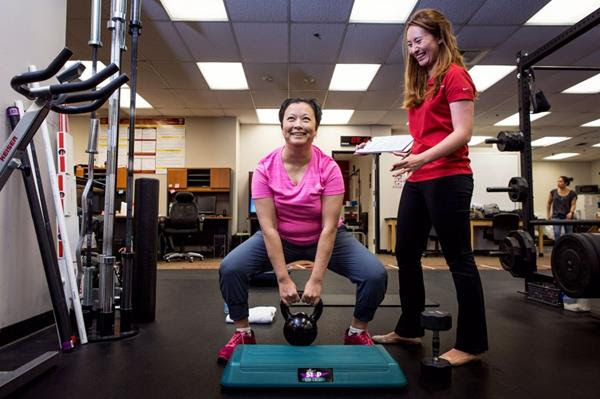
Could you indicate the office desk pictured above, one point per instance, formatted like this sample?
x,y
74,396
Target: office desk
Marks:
x,y
475,223
478,223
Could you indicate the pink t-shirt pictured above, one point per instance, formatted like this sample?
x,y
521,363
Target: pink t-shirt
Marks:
x,y
298,207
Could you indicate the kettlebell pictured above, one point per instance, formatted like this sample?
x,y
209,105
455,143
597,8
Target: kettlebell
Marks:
x,y
299,328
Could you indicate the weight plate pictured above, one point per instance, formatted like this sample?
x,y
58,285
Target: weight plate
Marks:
x,y
572,259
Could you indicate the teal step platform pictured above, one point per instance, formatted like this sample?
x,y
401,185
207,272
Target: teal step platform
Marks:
x,y
317,366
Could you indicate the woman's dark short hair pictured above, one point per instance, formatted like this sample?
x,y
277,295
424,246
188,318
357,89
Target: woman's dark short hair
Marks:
x,y
314,104
567,180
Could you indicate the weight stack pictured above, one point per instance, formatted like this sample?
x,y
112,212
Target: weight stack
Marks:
x,y
145,249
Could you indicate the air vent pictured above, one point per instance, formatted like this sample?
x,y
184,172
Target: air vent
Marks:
x,y
473,56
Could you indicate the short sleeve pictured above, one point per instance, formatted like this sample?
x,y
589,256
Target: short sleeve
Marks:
x,y
260,183
333,181
458,85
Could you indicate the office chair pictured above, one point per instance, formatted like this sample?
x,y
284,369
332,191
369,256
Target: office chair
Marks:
x,y
183,221
502,224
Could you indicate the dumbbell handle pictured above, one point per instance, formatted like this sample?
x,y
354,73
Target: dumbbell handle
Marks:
x,y
436,345
500,189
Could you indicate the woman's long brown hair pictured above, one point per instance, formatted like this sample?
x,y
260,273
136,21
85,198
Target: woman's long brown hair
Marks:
x,y
415,77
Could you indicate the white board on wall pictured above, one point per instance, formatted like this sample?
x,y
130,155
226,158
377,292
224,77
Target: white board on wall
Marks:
x,y
492,168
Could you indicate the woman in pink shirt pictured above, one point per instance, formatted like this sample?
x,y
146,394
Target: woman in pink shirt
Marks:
x,y
298,191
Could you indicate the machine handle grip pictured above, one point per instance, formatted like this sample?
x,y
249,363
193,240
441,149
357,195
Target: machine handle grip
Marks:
x,y
86,84
106,91
19,82
101,96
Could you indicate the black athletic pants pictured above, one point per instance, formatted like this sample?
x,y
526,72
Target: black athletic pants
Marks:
x,y
444,203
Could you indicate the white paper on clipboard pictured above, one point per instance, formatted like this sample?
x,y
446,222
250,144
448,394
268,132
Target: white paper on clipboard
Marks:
x,y
387,144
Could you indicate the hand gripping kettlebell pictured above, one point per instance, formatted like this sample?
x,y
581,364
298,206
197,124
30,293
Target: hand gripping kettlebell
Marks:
x,y
300,328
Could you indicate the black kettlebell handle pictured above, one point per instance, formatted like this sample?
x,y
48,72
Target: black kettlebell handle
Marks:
x,y
285,309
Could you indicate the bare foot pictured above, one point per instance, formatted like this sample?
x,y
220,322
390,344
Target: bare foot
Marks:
x,y
394,339
459,358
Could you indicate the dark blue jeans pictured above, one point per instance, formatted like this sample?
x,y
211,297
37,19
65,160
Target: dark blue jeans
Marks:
x,y
349,258
444,203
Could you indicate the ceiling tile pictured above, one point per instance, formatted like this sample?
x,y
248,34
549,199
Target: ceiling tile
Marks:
x,y
82,9
154,10
266,76
526,38
380,100
160,98
557,81
396,55
257,10
197,98
269,98
488,100
394,117
306,47
343,99
359,43
147,78
495,12
262,42
234,99
366,117
185,75
160,41
209,41
457,11
318,95
302,76
389,77
482,37
320,11
78,35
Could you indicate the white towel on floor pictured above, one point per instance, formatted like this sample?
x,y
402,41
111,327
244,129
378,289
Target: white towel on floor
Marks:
x,y
259,315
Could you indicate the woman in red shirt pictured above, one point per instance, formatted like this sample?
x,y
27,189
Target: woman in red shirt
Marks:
x,y
439,96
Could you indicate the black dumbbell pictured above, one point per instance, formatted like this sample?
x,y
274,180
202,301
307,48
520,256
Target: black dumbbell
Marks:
x,y
435,369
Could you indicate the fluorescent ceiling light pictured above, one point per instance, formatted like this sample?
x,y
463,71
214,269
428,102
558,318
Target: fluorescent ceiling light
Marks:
x,y
562,155
485,76
588,86
595,123
549,140
140,102
596,145
478,139
268,116
513,120
353,77
204,10
336,116
224,75
381,11
563,12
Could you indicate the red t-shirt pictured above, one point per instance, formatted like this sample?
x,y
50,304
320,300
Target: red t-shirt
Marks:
x,y
431,122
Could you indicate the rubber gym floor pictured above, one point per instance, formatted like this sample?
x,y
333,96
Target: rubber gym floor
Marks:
x,y
536,351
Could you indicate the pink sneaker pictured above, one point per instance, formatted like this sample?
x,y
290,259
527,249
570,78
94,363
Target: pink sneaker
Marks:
x,y
238,338
364,338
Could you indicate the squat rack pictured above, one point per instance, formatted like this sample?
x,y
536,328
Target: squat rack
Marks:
x,y
525,63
